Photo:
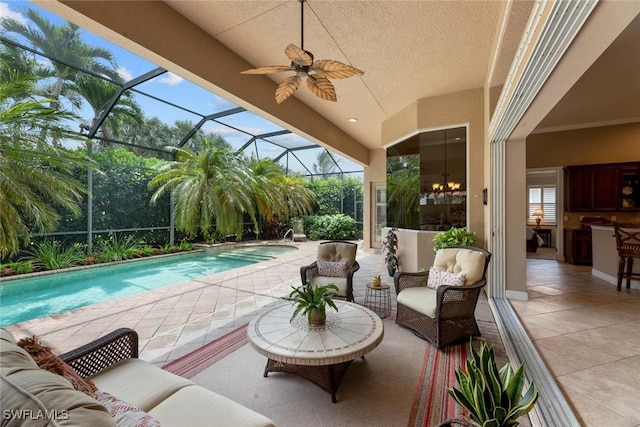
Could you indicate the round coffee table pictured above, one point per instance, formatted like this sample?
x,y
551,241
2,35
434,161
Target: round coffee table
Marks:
x,y
321,355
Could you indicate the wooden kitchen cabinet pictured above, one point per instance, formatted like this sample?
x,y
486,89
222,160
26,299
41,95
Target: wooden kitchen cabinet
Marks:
x,y
577,246
606,187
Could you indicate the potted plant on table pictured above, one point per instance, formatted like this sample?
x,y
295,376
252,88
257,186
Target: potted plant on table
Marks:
x,y
493,397
454,237
312,301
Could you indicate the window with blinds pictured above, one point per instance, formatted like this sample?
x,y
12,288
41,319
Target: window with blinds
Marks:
x,y
544,198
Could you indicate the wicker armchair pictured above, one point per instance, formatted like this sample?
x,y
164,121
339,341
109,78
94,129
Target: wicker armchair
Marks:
x,y
336,263
445,314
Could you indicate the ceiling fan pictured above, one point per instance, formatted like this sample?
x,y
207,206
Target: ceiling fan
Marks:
x,y
317,73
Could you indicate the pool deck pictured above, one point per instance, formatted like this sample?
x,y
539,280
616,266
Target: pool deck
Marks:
x,y
174,320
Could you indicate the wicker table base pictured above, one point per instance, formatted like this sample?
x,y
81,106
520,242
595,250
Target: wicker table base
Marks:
x,y
327,377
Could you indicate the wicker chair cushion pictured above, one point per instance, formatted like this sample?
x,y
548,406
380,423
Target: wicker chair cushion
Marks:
x,y
333,269
455,260
439,278
25,387
340,282
337,252
421,299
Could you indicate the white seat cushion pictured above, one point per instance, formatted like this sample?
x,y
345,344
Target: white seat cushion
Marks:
x,y
454,260
139,383
197,406
340,282
421,299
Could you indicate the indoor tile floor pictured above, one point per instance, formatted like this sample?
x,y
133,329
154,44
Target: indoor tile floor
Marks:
x,y
589,336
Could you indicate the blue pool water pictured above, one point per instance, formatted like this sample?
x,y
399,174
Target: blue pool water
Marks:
x,y
30,298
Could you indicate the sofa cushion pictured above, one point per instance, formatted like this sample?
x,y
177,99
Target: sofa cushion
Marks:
x,y
31,392
333,269
211,408
138,383
421,299
337,251
456,260
438,278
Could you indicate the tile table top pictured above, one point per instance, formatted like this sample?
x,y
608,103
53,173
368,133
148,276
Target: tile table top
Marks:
x,y
349,333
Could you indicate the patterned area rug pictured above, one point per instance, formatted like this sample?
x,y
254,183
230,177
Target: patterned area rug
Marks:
x,y
432,404
201,358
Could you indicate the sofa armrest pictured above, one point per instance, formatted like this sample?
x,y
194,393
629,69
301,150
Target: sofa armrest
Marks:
x,y
97,355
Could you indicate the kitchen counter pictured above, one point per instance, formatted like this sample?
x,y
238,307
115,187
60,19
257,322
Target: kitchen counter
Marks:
x,y
605,256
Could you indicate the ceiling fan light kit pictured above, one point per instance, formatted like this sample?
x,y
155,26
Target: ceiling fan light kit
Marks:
x,y
317,73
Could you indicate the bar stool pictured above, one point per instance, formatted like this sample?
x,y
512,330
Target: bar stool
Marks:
x,y
628,244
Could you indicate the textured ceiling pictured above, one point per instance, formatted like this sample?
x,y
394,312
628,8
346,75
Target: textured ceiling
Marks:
x,y
407,49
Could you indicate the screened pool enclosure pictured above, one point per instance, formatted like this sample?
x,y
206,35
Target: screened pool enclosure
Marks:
x,y
128,110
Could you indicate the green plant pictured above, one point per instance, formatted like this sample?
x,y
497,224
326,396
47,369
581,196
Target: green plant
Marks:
x,y
454,237
330,227
390,251
308,298
493,397
52,255
116,248
18,267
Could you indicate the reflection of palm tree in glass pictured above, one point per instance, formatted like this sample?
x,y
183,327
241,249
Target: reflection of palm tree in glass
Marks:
x,y
403,191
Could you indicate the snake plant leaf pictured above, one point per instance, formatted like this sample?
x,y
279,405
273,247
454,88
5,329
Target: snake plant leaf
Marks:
x,y
491,423
479,404
462,399
526,403
516,384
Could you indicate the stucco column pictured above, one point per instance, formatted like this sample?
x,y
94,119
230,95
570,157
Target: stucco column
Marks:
x,y
516,220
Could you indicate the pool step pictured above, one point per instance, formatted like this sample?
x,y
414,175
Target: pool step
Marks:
x,y
246,256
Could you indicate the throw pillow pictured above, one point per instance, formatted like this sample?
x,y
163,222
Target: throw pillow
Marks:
x,y
125,414
439,278
46,359
332,269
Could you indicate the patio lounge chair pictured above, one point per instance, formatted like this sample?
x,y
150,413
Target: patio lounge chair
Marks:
x,y
440,308
336,263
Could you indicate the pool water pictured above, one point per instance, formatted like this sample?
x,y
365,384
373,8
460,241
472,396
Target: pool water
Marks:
x,y
34,297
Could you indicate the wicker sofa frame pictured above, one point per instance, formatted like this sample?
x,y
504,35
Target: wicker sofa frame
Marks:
x,y
455,309
309,271
99,354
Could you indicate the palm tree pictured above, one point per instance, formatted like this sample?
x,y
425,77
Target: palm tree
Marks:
x,y
326,164
64,43
298,196
269,197
35,177
98,93
212,189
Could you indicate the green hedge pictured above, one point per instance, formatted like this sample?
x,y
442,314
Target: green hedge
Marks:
x,y
338,227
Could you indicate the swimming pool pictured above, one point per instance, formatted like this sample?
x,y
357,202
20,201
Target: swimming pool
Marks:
x,y
30,298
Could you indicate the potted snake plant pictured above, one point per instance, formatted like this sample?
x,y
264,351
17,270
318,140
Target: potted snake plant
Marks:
x,y
494,397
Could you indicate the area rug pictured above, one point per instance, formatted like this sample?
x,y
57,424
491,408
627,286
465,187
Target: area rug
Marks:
x,y
432,403
201,358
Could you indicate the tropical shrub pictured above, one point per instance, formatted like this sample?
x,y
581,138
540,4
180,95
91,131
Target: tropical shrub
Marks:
x,y
18,267
454,237
53,255
332,227
117,248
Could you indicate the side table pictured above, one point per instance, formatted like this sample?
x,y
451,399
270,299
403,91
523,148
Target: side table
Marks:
x,y
378,299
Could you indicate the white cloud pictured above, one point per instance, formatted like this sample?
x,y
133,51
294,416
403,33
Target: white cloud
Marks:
x,y
5,12
125,74
170,79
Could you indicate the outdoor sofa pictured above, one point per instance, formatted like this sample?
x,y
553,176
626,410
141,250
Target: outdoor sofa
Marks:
x,y
137,392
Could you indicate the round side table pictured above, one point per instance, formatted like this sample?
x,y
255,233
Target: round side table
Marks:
x,y
378,299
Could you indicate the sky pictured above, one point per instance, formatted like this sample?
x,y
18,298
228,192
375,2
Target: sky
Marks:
x,y
179,91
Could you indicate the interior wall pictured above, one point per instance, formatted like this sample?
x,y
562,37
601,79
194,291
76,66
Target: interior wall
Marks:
x,y
515,227
606,144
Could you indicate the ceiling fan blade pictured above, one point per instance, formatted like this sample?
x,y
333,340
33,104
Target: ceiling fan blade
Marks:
x,y
335,69
287,87
298,56
268,70
321,87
